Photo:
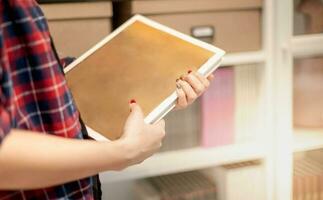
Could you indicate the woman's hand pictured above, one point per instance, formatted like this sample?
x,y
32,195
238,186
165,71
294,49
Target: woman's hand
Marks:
x,y
140,140
190,87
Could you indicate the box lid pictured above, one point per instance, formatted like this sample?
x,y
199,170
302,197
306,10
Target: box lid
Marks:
x,y
171,6
61,11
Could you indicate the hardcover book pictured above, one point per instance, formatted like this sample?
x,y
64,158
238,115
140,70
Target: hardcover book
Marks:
x,y
141,60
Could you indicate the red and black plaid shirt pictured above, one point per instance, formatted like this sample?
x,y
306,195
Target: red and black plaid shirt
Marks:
x,y
33,93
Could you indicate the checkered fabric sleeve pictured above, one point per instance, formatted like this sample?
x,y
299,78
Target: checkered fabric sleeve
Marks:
x,y
5,123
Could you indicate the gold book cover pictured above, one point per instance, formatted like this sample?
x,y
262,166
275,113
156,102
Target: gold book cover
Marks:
x,y
141,60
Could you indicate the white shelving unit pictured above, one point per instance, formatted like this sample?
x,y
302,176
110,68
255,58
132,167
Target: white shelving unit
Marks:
x,y
287,139
186,160
280,140
201,158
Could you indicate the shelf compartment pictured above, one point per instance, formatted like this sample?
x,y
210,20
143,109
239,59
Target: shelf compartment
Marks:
x,y
188,159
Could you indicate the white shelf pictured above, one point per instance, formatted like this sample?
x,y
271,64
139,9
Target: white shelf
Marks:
x,y
186,160
307,139
307,45
243,58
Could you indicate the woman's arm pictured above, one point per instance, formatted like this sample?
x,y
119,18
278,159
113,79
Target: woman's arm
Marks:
x,y
30,160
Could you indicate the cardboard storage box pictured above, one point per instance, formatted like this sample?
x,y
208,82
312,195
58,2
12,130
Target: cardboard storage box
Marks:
x,y
76,27
233,25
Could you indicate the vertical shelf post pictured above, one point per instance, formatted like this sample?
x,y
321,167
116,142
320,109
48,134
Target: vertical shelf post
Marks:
x,y
279,77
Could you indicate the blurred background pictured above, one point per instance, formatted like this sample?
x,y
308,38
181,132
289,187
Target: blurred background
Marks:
x,y
257,133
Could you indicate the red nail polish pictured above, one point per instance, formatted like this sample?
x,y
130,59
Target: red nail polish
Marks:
x,y
181,78
132,101
189,71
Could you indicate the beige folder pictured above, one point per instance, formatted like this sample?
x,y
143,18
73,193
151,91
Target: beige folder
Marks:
x,y
140,60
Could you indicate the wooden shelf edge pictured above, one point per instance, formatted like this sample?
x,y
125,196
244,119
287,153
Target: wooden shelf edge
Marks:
x,y
186,160
307,139
243,58
307,45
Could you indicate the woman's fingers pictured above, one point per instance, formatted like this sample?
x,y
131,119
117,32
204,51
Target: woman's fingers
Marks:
x,y
189,91
196,83
204,80
211,77
191,86
181,101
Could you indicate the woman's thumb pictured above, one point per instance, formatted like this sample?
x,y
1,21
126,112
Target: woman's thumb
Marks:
x,y
135,111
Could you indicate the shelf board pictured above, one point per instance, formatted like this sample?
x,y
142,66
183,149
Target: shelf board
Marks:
x,y
307,45
243,58
307,139
186,160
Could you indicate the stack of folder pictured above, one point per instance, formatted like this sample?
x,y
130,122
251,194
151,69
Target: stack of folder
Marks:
x,y
184,186
218,110
308,179
183,128
249,107
231,106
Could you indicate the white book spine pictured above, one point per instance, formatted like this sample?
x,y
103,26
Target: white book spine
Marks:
x,y
247,102
235,182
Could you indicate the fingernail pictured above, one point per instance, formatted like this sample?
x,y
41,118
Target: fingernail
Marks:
x,y
177,80
189,71
181,78
132,101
